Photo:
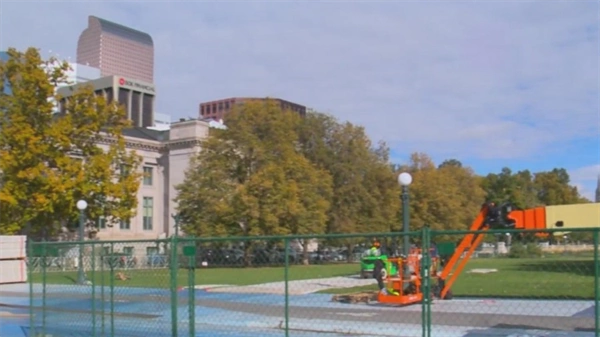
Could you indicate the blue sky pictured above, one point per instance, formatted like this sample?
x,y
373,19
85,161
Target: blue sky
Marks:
x,y
491,83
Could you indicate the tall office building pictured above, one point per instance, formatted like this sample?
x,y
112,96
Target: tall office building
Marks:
x,y
136,97
216,110
116,50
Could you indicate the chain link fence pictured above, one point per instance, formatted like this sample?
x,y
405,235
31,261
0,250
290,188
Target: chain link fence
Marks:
x,y
467,284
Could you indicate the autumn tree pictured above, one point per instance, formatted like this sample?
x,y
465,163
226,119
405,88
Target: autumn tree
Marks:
x,y
50,160
251,179
525,189
516,188
554,188
365,193
444,197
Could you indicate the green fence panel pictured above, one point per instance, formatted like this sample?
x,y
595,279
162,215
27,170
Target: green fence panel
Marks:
x,y
182,286
286,279
173,285
596,283
521,283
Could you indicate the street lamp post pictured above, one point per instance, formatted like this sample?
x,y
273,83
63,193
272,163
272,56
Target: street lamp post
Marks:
x,y
176,217
405,179
81,206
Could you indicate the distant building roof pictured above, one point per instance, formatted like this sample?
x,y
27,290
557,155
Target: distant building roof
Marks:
x,y
123,31
145,133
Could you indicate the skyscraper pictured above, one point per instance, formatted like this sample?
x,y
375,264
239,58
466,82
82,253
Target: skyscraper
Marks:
x,y
116,50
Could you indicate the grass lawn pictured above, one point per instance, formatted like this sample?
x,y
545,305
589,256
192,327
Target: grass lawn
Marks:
x,y
160,278
551,277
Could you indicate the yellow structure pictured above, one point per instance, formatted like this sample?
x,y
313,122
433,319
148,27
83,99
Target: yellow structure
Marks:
x,y
573,216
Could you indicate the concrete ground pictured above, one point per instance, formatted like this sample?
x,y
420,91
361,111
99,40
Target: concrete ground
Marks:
x,y
301,287
146,313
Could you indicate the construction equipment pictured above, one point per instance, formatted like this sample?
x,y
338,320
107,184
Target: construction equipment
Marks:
x,y
405,286
400,278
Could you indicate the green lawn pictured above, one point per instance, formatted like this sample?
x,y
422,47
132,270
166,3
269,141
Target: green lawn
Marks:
x,y
160,278
551,277
554,277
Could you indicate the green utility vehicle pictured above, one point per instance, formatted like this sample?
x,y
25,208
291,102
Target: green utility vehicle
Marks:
x,y
367,264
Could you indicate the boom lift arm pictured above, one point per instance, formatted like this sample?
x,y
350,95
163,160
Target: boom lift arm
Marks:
x,y
490,217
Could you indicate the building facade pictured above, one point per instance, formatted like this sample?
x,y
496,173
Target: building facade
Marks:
x,y
76,74
166,156
116,50
137,97
217,110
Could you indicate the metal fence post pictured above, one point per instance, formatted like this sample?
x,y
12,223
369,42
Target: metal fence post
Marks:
x,y
287,295
425,277
190,251
31,289
596,284
44,283
173,284
113,263
102,298
93,280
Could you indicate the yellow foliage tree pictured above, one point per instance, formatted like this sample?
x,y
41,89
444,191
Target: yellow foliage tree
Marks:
x,y
251,179
447,197
49,160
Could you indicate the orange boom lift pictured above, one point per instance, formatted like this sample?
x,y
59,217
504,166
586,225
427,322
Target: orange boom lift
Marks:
x,y
491,216
405,287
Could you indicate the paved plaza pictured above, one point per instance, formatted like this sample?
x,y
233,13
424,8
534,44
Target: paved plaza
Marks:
x,y
146,313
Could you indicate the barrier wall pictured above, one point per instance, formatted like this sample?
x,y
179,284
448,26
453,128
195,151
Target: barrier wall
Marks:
x,y
13,265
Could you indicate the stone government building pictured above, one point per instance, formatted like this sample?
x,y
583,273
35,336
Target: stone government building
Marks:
x,y
166,156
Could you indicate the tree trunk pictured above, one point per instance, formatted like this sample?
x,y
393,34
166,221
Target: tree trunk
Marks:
x,y
350,256
305,260
247,254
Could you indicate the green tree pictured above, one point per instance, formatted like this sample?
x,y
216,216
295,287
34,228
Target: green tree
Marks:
x,y
517,188
365,193
50,160
553,188
447,197
251,179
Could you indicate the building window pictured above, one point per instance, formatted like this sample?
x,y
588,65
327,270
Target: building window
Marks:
x,y
147,176
128,250
136,117
124,170
124,100
148,210
151,251
109,96
125,224
101,223
147,110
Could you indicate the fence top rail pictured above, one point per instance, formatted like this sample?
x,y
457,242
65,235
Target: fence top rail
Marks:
x,y
378,235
